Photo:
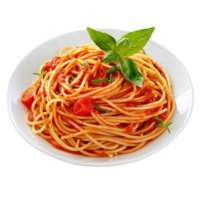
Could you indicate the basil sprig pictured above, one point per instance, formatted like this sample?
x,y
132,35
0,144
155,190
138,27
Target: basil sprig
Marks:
x,y
99,80
84,64
161,123
117,51
112,69
98,108
73,78
40,74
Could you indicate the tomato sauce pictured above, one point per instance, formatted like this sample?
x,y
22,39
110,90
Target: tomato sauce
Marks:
x,y
147,92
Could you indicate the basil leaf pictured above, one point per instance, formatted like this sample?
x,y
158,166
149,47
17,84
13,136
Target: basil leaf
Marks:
x,y
99,80
85,63
112,69
160,120
98,108
122,46
42,70
110,78
130,71
40,74
73,78
103,40
161,123
111,56
169,123
138,40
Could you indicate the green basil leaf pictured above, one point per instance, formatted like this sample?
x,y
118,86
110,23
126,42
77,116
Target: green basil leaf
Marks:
x,y
42,70
160,120
112,69
98,108
169,124
99,80
103,40
138,40
110,57
122,46
85,63
36,74
130,71
73,78
110,78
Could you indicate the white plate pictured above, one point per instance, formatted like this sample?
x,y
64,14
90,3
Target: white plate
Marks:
x,y
22,78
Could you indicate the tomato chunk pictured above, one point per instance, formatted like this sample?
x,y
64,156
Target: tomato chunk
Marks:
x,y
30,117
129,129
53,63
27,96
84,107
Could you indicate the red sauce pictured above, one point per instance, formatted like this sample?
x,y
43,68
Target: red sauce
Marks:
x,y
102,154
57,146
132,104
147,92
162,116
149,111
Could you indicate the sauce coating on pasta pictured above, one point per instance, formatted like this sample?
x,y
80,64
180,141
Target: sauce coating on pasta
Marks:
x,y
87,111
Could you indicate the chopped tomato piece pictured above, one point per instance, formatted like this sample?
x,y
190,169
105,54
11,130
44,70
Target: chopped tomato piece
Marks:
x,y
27,96
84,107
129,129
30,117
53,63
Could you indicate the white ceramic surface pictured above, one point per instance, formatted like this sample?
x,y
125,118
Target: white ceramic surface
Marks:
x,y
22,78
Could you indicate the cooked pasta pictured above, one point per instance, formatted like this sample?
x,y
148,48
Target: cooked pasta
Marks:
x,y
80,105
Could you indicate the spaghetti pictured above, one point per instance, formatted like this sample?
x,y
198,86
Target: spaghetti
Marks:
x,y
80,105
